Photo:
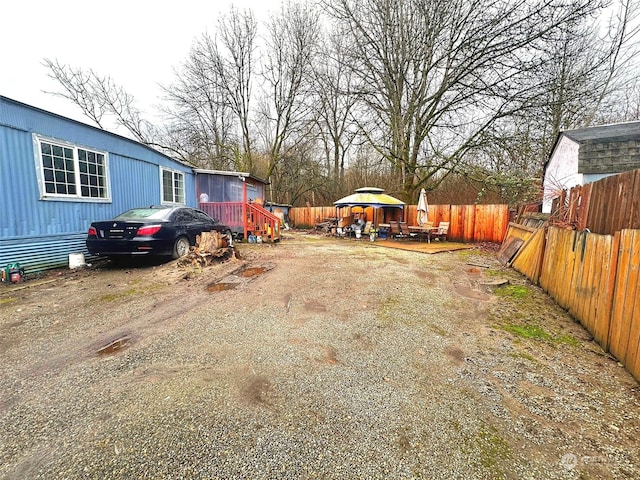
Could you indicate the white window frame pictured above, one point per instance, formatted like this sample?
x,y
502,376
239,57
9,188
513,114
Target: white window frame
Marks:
x,y
176,190
38,140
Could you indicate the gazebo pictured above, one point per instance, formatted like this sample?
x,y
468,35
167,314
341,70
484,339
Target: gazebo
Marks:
x,y
369,204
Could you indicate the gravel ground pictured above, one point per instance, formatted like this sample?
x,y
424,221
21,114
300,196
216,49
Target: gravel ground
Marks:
x,y
343,360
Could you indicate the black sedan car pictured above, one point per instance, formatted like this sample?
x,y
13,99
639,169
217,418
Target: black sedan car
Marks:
x,y
158,231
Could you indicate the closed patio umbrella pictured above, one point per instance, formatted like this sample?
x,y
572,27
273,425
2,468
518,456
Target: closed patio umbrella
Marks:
x,y
423,208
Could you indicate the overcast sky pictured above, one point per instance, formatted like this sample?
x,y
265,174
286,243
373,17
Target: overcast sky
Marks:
x,y
138,43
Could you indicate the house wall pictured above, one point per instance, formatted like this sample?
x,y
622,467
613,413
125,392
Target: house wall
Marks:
x,y
219,188
561,172
228,188
255,191
40,233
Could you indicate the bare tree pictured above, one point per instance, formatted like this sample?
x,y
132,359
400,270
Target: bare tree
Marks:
x,y
620,51
581,70
298,175
98,96
212,95
624,105
335,104
291,45
436,74
200,113
234,68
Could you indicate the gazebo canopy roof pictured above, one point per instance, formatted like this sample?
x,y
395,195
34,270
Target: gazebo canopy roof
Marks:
x,y
369,197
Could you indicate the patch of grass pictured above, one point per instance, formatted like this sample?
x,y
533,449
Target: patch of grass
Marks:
x,y
513,291
7,301
536,332
464,254
492,447
399,309
526,356
489,450
112,297
386,310
567,340
490,272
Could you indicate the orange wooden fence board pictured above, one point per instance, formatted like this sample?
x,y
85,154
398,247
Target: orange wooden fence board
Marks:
x,y
618,328
594,280
602,333
634,210
545,278
579,292
623,324
528,260
632,310
631,352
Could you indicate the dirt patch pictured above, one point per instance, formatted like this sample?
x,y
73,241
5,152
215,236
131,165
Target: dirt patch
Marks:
x,y
255,390
329,359
424,247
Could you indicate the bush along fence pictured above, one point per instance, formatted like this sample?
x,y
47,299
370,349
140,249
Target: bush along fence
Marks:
x,y
595,278
468,223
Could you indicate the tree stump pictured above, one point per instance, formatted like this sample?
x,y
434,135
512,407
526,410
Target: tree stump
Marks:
x,y
210,247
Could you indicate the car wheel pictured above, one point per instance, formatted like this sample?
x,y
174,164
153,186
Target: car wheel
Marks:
x,y
181,247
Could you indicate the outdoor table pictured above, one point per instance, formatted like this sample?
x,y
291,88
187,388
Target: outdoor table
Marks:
x,y
423,231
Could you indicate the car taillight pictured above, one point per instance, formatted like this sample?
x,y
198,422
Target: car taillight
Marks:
x,y
92,232
148,231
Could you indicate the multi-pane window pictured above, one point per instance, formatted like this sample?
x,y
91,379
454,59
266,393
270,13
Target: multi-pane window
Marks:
x,y
70,171
172,187
58,168
93,174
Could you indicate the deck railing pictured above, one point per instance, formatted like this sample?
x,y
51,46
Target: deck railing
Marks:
x,y
245,218
261,221
229,213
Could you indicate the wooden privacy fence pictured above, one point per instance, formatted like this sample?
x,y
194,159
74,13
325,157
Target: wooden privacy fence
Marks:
x,y
596,278
468,223
605,206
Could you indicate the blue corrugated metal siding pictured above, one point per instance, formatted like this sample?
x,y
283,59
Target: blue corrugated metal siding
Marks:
x,y
42,233
17,181
36,254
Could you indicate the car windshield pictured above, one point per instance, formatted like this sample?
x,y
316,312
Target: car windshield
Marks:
x,y
142,213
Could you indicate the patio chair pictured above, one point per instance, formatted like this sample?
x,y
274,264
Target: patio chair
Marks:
x,y
394,229
405,232
443,229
